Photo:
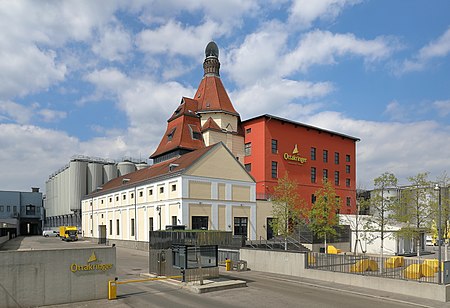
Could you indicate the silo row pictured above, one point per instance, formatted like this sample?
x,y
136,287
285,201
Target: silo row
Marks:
x,y
65,189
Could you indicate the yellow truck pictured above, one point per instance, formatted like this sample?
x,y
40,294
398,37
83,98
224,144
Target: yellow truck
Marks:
x,y
68,233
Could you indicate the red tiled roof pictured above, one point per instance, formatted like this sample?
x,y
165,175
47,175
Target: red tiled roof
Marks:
x,y
187,107
211,124
179,164
212,96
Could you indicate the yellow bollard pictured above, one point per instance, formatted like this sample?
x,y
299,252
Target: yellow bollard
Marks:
x,y
112,289
228,265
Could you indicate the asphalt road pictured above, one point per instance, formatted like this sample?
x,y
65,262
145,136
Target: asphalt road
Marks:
x,y
264,290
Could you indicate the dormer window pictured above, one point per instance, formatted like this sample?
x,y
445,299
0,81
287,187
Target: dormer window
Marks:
x,y
177,111
195,133
170,135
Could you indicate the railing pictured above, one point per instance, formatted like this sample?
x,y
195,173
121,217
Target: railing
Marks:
x,y
395,267
278,243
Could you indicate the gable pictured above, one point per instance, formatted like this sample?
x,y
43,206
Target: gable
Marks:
x,y
219,163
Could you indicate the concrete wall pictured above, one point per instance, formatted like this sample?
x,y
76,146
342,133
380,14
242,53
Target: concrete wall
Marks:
x,y
293,264
4,239
50,277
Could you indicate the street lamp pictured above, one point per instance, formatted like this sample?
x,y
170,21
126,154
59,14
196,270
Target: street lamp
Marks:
x,y
438,189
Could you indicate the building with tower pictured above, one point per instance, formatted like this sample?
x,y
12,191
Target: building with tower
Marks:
x,y
213,171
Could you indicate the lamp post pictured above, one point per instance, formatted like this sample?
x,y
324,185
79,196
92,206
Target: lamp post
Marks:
x,y
438,189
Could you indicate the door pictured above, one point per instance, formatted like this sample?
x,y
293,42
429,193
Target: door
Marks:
x,y
269,228
102,234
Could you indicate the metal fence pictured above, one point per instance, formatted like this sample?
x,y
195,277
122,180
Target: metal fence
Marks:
x,y
395,267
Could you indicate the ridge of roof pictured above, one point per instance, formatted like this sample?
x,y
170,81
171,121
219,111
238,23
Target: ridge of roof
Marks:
x,y
301,124
175,166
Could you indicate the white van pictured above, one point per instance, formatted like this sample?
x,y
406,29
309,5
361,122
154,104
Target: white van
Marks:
x,y
51,233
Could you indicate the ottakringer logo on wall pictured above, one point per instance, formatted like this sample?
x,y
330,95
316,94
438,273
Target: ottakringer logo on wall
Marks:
x,y
295,157
92,264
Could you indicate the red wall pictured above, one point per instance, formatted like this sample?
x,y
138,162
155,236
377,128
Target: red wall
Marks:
x,y
264,129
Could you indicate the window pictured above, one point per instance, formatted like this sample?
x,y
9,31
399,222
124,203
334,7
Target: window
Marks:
x,y
170,135
274,169
161,190
349,201
347,158
174,187
248,167
325,156
313,198
132,195
199,222
336,177
124,197
110,200
141,193
347,182
117,198
174,220
313,174
325,174
14,209
117,227
132,226
338,201
101,201
336,158
110,227
30,210
248,149
150,192
102,215
313,153
240,226
150,224
248,130
274,146
347,169
196,136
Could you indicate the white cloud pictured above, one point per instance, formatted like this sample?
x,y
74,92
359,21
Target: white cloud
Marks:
x,y
173,38
114,44
264,54
435,49
304,12
294,96
15,112
323,47
401,148
49,115
443,107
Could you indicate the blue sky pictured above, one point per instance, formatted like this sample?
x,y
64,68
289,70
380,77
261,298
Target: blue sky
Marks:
x,y
100,78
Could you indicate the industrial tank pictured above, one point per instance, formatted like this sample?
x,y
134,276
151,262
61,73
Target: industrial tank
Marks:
x,y
77,176
109,172
95,176
125,167
141,165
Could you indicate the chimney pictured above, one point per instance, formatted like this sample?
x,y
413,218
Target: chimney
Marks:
x,y
35,189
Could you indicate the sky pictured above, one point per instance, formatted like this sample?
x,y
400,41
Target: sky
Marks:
x,y
101,78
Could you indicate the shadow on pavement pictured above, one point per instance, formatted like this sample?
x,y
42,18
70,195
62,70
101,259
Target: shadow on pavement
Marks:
x,y
12,244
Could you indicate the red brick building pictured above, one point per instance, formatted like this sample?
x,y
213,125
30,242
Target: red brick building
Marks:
x,y
274,146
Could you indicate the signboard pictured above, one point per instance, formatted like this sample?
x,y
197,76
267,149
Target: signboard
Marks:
x,y
295,157
188,257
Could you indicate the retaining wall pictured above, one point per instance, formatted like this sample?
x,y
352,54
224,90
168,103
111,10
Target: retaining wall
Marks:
x,y
50,277
293,264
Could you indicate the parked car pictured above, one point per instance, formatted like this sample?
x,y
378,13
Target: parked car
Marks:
x,y
50,233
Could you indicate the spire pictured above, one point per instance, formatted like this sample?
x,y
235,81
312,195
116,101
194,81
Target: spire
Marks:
x,y
211,65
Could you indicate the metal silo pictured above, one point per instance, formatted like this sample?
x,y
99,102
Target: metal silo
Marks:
x,y
141,165
110,172
125,167
78,170
94,176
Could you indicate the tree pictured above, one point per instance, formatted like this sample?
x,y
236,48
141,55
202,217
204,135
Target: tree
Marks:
x,y
444,182
288,208
322,217
382,204
417,208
